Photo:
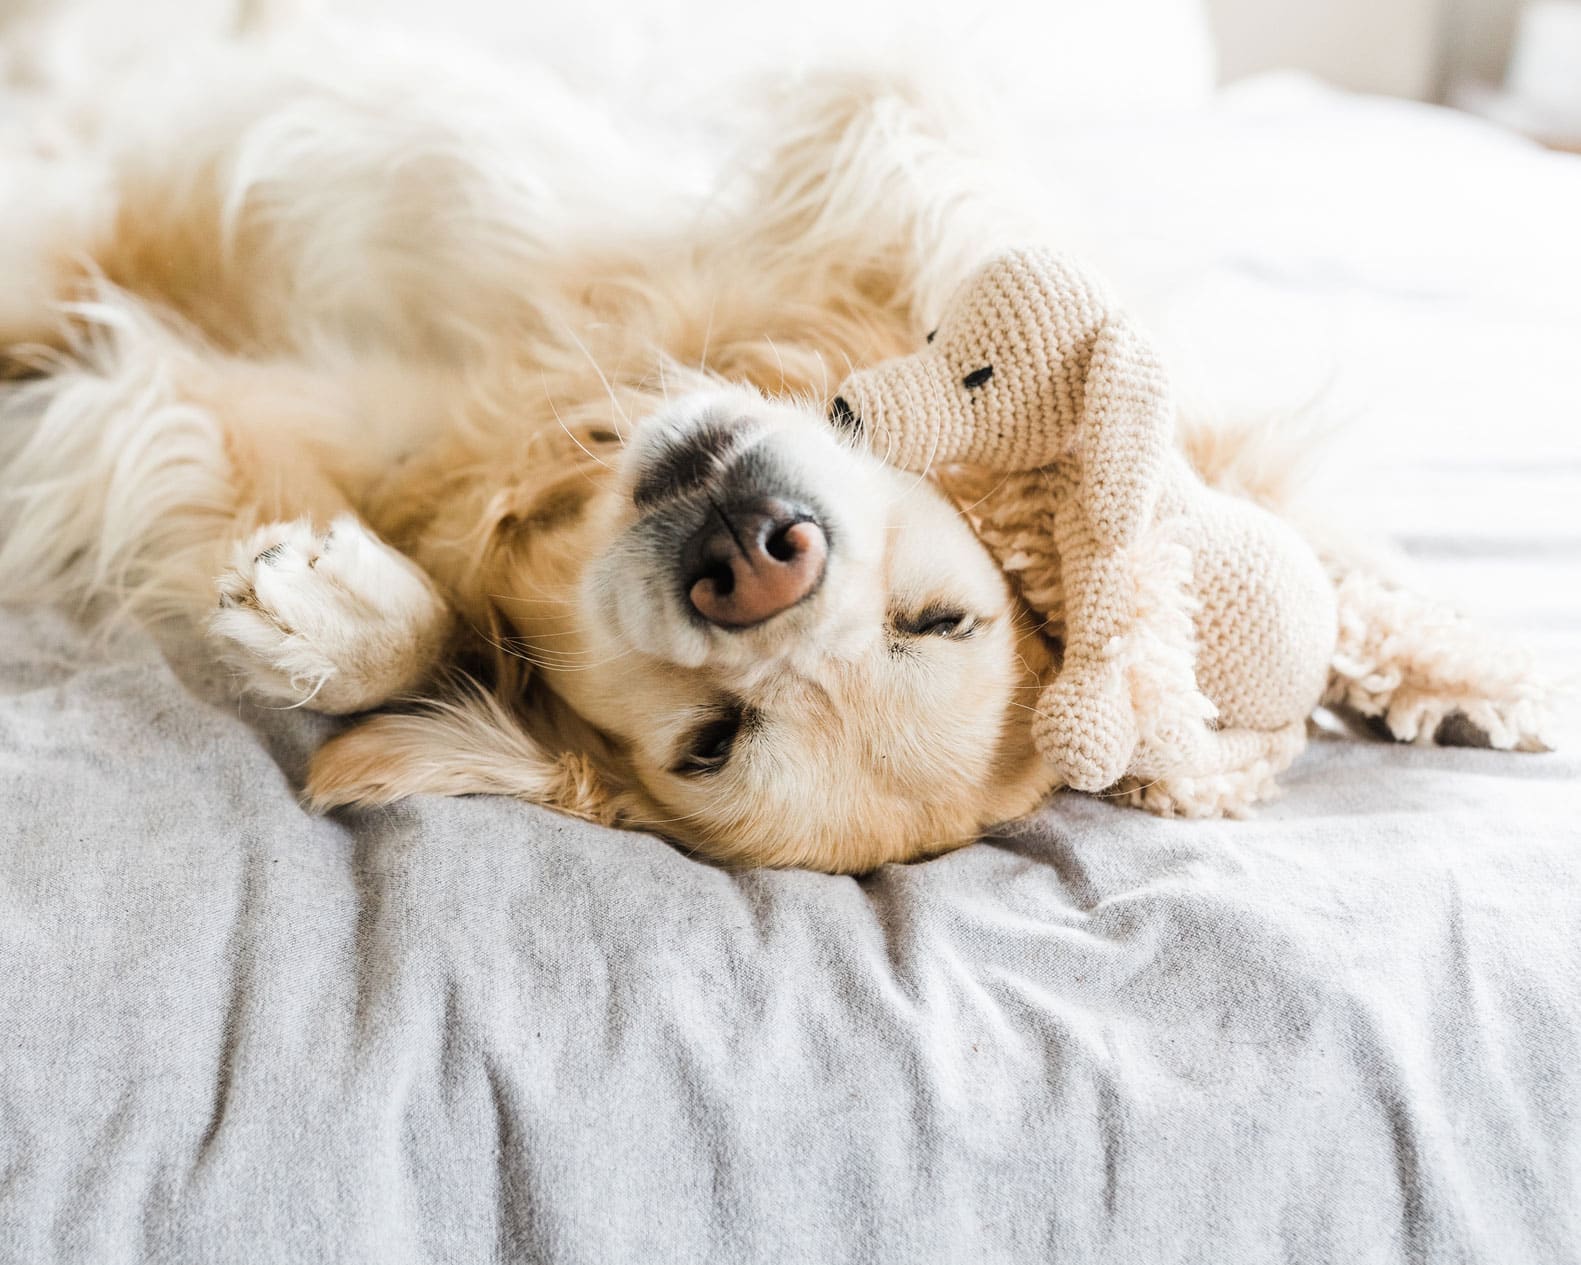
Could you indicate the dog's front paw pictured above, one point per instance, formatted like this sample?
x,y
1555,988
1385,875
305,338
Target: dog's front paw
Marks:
x,y
338,621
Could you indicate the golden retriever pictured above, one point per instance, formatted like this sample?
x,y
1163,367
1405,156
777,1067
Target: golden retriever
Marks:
x,y
433,392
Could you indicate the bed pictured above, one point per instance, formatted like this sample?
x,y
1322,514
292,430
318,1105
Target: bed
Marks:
x,y
1348,1030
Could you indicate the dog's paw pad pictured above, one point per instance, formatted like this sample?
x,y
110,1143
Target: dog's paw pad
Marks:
x,y
336,621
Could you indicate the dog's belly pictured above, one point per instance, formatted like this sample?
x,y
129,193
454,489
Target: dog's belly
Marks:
x,y
1266,623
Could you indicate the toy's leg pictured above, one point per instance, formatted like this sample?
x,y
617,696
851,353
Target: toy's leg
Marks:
x,y
1427,675
1237,770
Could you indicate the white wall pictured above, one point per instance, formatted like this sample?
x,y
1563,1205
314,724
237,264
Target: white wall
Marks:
x,y
1386,46
1407,48
1478,35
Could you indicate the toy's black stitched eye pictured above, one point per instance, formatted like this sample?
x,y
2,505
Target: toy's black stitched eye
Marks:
x,y
932,333
977,377
841,416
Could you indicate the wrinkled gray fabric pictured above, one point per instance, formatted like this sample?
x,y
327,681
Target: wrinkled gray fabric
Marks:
x,y
469,1030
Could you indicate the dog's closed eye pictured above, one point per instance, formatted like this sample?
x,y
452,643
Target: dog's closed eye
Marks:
x,y
977,377
936,621
709,747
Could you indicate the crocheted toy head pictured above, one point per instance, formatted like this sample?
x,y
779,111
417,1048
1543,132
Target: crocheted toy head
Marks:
x,y
1004,374
1196,630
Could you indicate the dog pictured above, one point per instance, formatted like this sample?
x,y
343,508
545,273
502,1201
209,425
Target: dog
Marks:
x,y
447,408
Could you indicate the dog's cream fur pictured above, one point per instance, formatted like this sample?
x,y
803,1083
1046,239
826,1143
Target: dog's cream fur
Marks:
x,y
354,361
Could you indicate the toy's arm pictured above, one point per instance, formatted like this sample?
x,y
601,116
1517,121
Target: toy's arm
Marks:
x,y
1086,724
1124,434
1104,499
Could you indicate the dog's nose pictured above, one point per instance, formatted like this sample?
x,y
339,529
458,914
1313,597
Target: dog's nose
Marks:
x,y
754,562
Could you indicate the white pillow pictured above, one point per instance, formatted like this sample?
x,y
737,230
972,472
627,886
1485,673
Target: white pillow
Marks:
x,y
1058,60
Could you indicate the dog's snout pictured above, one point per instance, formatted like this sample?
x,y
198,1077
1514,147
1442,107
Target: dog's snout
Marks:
x,y
751,563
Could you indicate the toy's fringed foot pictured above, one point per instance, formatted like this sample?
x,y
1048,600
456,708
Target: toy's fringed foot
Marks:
x,y
1086,726
1236,771
1427,675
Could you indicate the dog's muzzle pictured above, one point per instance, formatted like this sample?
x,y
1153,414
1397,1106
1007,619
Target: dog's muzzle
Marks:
x,y
747,545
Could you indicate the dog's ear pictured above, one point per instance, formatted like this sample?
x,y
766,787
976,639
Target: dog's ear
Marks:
x,y
469,744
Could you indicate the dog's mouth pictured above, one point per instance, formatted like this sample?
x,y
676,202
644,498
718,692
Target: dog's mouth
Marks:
x,y
744,541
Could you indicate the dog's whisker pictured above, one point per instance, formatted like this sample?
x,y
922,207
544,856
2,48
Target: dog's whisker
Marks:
x,y
993,491
532,601
670,821
291,707
608,389
927,466
708,333
571,669
779,360
560,421
537,637
522,648
550,660
504,646
1024,707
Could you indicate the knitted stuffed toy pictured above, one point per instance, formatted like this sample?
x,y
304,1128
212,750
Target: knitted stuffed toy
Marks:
x,y
1196,628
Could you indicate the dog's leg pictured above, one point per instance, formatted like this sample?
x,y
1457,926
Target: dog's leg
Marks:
x,y
151,473
334,620
313,609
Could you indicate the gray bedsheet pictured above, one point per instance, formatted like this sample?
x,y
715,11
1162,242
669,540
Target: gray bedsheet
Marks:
x,y
461,1031
471,1030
